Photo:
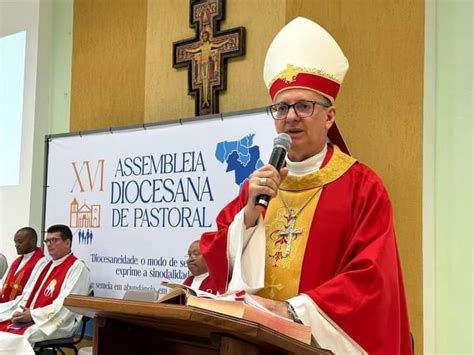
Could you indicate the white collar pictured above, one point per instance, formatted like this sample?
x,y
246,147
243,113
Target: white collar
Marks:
x,y
201,276
307,166
60,260
28,255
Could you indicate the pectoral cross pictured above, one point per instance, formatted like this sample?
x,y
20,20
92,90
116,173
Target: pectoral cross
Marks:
x,y
289,232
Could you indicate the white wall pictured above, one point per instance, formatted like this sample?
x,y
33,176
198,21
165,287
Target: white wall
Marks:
x,y
16,16
448,185
453,178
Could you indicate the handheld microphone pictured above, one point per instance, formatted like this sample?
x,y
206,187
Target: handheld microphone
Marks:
x,y
281,145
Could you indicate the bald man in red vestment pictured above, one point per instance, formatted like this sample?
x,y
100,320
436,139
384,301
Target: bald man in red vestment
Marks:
x,y
199,280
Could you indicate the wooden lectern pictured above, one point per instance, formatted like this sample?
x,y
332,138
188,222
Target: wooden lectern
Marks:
x,y
131,327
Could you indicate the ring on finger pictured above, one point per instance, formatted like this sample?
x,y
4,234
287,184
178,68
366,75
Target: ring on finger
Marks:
x,y
263,181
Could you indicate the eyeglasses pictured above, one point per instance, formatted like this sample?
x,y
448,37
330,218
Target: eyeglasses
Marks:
x,y
303,109
194,255
51,241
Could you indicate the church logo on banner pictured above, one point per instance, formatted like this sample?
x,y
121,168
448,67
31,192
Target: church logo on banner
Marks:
x,y
85,218
48,291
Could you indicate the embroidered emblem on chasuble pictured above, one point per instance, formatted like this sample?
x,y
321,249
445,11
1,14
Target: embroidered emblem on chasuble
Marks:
x,y
286,241
287,226
16,286
50,289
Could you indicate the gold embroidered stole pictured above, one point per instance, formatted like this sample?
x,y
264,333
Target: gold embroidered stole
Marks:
x,y
284,253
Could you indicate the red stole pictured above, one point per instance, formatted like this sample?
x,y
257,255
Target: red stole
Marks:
x,y
15,281
47,291
50,288
206,284
188,281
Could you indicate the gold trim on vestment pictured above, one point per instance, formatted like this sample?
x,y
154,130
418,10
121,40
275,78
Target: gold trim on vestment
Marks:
x,y
334,169
283,272
289,74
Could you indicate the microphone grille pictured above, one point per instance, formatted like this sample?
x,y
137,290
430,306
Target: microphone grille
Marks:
x,y
282,140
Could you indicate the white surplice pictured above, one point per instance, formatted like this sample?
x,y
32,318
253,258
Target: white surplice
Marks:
x,y
14,344
55,320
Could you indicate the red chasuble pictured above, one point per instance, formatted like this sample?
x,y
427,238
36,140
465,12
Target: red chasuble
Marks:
x,y
351,267
16,280
206,284
47,291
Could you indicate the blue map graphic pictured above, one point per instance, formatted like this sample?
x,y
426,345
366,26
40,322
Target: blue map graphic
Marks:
x,y
241,156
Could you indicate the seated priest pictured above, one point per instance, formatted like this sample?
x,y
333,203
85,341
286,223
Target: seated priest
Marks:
x,y
324,252
199,280
44,316
23,272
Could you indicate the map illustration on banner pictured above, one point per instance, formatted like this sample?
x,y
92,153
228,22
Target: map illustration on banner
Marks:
x,y
137,198
242,157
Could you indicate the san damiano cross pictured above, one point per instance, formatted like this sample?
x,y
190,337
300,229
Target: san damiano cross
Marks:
x,y
207,53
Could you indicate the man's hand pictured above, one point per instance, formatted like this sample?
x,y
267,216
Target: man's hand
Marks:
x,y
21,317
265,180
277,307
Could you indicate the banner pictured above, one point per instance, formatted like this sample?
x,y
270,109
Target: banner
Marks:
x,y
135,199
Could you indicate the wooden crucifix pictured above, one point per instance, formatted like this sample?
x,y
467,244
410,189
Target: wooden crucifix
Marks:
x,y
207,53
